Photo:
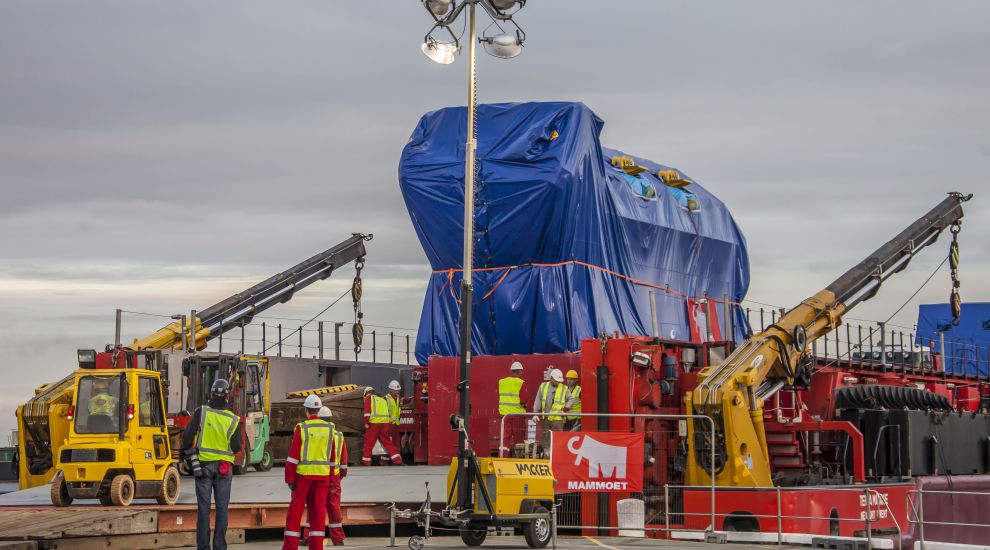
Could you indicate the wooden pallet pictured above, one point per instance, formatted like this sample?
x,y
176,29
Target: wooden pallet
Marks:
x,y
84,528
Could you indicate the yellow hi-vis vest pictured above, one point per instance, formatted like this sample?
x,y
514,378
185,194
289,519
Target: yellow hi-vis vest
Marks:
x,y
559,400
394,411
574,394
508,395
314,453
379,410
216,428
338,446
103,403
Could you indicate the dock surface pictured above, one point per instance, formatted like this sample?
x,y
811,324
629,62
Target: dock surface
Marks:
x,y
363,485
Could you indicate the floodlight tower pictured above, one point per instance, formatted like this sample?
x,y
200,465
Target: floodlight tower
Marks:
x,y
503,44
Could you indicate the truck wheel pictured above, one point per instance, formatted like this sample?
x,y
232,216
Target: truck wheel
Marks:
x,y
537,531
122,490
60,491
266,460
473,535
168,493
105,499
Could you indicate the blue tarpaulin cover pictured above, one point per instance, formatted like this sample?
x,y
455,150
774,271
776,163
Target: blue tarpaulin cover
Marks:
x,y
966,345
566,245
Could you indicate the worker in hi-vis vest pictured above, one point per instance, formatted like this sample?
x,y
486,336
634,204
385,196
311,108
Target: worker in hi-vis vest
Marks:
x,y
377,422
573,404
213,428
550,401
394,413
102,402
511,396
335,518
308,468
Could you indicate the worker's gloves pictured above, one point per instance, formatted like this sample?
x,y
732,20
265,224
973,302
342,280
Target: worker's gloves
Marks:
x,y
182,454
292,486
366,426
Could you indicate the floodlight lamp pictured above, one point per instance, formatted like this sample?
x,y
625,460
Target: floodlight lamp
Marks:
x,y
439,52
438,8
505,46
504,5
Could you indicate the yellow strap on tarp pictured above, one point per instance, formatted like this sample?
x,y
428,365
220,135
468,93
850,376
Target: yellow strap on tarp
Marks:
x,y
320,391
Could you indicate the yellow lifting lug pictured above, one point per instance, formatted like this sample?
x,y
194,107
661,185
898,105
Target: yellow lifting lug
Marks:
x,y
673,178
628,165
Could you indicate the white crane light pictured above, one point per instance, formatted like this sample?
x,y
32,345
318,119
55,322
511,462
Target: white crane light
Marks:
x,y
505,46
438,8
439,52
504,5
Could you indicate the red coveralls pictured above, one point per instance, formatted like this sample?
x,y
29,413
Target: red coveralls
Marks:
x,y
310,492
375,432
334,516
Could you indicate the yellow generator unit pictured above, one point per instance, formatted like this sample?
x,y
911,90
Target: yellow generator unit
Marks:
x,y
509,495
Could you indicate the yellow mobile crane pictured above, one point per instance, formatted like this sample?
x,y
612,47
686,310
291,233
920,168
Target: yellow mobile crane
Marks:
x,y
44,422
733,392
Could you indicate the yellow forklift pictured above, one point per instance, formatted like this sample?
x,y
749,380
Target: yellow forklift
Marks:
x,y
117,447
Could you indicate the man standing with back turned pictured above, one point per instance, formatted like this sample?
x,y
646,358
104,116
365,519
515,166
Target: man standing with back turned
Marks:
x,y
511,396
214,429
307,472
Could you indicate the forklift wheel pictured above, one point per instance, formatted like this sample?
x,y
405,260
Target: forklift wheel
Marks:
x,y
416,543
168,493
105,499
122,490
266,460
60,491
473,535
537,531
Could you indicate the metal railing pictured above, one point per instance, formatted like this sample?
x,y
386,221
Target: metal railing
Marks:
x,y
666,455
867,518
915,501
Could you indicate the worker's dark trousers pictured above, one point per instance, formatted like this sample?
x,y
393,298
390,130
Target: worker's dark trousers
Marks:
x,y
218,486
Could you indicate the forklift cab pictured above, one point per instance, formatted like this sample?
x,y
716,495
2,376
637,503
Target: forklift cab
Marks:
x,y
248,399
118,446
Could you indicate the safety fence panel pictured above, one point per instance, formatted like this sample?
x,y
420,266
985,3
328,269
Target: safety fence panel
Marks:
x,y
612,480
957,517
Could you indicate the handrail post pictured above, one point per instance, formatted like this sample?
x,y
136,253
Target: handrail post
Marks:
x,y
391,526
921,516
780,521
666,506
320,329
869,530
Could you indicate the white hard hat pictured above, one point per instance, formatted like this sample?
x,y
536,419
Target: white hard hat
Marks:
x,y
325,412
516,366
394,385
312,402
556,375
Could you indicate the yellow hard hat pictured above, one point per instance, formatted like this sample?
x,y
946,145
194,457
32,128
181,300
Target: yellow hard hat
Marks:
x,y
572,374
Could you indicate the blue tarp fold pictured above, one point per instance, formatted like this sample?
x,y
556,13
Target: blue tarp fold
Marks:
x,y
566,245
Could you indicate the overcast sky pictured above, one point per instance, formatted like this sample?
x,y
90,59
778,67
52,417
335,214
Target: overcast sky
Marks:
x,y
158,156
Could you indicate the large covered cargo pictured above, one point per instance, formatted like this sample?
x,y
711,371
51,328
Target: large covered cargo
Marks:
x,y
567,245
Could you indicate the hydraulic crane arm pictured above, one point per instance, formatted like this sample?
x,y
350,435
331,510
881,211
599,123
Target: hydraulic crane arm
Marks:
x,y
240,308
732,393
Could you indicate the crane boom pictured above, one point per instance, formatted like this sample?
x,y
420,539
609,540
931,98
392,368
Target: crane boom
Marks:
x,y
239,309
732,392
42,423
